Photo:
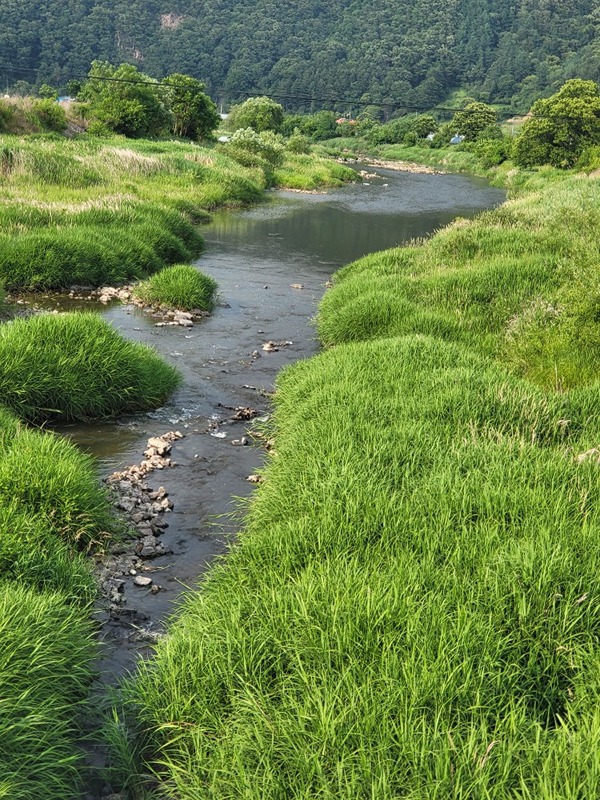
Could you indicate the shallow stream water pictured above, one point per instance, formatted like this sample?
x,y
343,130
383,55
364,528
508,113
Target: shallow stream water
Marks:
x,y
255,255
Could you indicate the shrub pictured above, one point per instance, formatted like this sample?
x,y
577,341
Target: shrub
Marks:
x,y
267,145
51,115
76,366
181,286
298,143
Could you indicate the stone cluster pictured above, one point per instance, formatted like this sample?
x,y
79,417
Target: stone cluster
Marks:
x,y
145,509
169,316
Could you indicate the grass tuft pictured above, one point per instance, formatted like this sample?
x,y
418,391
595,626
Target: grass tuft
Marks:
x,y
76,366
182,286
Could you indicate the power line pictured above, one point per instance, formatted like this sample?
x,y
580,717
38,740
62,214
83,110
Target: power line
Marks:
x,y
339,101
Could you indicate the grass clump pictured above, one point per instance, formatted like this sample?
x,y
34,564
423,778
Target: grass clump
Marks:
x,y
413,607
181,286
77,367
45,655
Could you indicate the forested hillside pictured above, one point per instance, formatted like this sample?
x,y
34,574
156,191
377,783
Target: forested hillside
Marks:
x,y
411,52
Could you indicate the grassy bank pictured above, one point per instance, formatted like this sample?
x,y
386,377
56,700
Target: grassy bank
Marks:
x,y
412,609
96,211
51,511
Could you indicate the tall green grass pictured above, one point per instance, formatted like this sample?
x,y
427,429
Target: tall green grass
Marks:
x,y
46,649
412,610
77,366
91,211
182,286
518,283
413,607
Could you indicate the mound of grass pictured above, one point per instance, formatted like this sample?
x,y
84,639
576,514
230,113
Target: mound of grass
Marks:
x,y
45,655
519,283
52,480
181,286
76,366
413,608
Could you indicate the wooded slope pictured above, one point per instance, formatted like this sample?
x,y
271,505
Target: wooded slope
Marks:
x,y
409,51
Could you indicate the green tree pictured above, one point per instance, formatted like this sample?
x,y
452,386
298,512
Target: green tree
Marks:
x,y
47,92
259,113
194,113
473,119
423,125
125,100
73,88
561,126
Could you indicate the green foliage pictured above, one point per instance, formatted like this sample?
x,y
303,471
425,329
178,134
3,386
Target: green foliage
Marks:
x,y
125,100
251,149
52,117
561,127
397,130
46,650
258,113
77,366
47,92
298,143
318,126
472,120
51,489
6,116
73,87
414,54
194,113
493,151
182,286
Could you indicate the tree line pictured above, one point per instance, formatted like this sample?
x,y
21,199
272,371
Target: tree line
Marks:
x,y
409,53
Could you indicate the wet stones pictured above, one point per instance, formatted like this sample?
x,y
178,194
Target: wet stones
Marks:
x,y
273,347
145,509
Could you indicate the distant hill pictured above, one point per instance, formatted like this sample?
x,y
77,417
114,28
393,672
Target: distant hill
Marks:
x,y
407,51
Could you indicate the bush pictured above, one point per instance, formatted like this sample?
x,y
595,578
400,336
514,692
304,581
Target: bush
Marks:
x,y
51,115
298,143
76,366
267,146
181,286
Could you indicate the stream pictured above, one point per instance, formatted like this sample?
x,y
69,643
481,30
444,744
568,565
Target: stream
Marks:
x,y
255,255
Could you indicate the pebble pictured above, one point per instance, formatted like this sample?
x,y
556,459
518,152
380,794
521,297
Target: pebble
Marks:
x,y
142,580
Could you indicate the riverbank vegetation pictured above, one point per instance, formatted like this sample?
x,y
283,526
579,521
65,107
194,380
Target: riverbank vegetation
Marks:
x,y
78,367
52,510
412,608
93,211
182,286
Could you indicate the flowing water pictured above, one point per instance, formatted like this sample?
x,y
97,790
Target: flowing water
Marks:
x,y
255,255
